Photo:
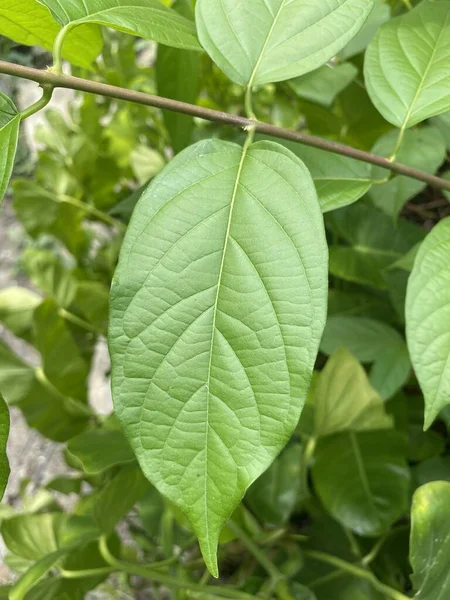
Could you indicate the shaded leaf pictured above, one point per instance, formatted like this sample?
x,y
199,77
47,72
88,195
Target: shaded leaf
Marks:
x,y
362,479
4,433
260,42
273,495
100,449
324,84
205,340
381,13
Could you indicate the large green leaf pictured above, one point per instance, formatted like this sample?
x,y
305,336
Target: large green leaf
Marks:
x,y
9,135
344,398
406,65
423,149
4,432
430,541
217,310
178,77
427,319
324,84
27,22
371,342
362,479
149,19
273,495
264,41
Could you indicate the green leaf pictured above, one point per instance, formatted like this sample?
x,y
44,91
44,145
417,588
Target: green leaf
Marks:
x,y
9,136
148,19
339,180
344,398
34,536
119,496
430,542
146,162
371,342
34,574
17,305
381,13
27,22
4,433
442,122
65,485
427,313
61,359
264,41
370,249
406,65
92,299
100,449
178,77
423,149
217,310
433,469
57,417
362,479
273,495
324,84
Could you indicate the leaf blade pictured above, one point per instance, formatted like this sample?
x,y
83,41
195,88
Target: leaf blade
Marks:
x,y
212,380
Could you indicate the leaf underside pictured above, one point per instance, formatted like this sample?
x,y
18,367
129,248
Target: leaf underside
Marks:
x,y
217,309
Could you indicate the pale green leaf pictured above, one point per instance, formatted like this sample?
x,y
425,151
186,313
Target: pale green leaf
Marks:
x,y
273,496
430,542
148,19
178,77
371,342
381,13
146,162
344,398
362,479
442,122
263,41
323,85
423,149
17,305
217,310
427,318
339,180
9,135
27,22
35,574
406,65
4,433
100,449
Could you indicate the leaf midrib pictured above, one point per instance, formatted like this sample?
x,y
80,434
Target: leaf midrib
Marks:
x,y
213,331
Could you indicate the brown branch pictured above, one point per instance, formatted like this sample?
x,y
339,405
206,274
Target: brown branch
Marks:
x,y
49,78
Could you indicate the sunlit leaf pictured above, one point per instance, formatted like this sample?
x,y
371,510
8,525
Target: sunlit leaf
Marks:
x,y
263,41
217,311
9,135
427,318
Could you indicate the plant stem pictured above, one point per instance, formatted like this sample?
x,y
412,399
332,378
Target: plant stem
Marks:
x,y
65,314
57,50
110,91
356,572
47,92
85,573
95,212
148,573
304,466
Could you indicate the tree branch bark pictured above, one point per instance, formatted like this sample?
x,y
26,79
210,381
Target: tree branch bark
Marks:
x,y
49,78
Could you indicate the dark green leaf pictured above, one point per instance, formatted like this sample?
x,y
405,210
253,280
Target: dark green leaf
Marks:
x,y
362,479
4,433
324,84
273,496
100,449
